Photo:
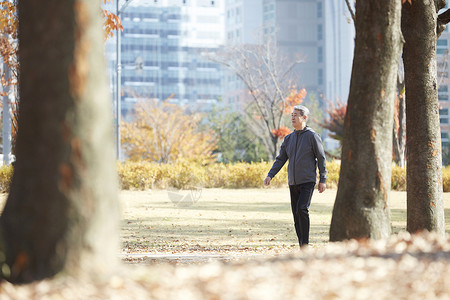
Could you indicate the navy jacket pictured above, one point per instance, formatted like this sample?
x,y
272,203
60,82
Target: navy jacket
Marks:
x,y
304,150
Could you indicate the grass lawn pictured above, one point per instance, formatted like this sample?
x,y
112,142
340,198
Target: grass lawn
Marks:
x,y
230,220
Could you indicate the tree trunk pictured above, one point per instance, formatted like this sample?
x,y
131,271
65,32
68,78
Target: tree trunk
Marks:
x,y
399,130
361,208
62,211
424,161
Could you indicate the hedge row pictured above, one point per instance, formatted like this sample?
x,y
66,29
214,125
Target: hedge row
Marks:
x,y
184,175
144,175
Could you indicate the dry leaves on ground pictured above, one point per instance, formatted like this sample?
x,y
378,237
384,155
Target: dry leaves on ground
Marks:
x,y
403,267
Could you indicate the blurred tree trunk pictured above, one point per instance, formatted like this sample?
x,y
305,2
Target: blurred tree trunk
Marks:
x,y
424,161
62,211
361,207
399,129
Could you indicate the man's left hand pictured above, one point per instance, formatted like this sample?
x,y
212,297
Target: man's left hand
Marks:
x,y
322,187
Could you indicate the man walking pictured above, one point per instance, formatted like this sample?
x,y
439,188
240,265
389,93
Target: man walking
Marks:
x,y
303,148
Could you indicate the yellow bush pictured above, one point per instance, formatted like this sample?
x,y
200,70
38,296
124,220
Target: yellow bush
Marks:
x,y
137,175
333,169
6,173
398,180
187,175
446,179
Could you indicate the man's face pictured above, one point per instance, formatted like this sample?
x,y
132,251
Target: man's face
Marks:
x,y
297,119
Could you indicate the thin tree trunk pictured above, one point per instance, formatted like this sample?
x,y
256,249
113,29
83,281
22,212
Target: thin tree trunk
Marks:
x,y
399,134
361,208
61,214
424,158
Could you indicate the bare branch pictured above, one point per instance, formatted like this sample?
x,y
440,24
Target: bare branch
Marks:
x,y
442,21
350,9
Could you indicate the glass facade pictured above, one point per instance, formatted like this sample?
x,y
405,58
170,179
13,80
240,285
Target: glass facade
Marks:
x,y
443,89
162,58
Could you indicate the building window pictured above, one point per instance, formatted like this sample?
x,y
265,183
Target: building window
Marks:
x,y
443,115
319,10
443,97
319,54
444,142
443,93
319,32
442,42
320,77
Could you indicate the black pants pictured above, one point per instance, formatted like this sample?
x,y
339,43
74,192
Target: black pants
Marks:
x,y
301,195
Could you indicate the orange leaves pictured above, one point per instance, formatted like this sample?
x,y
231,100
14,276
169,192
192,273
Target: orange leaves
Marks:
x,y
294,98
335,121
111,23
166,132
8,31
8,18
281,132
409,1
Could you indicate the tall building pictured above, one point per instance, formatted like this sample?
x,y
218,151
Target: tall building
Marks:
x,y
443,57
321,33
243,21
163,47
243,26
339,42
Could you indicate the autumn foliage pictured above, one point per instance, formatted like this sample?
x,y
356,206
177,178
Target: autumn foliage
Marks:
x,y
111,22
281,132
335,121
165,132
295,97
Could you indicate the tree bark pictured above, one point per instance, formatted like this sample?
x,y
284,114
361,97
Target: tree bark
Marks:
x,y
399,130
361,208
62,211
424,158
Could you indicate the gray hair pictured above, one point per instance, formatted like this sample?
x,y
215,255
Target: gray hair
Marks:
x,y
302,109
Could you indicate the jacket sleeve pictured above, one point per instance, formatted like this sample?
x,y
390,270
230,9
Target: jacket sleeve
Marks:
x,y
279,161
321,159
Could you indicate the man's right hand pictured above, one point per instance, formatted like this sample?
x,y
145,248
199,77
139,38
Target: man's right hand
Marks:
x,y
267,181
